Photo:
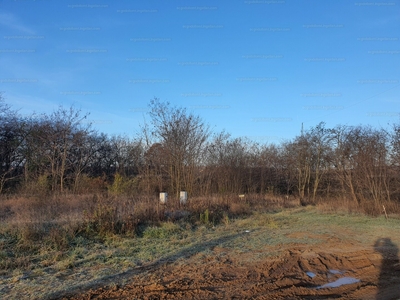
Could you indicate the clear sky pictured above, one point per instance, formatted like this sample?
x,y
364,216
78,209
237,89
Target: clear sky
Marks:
x,y
255,68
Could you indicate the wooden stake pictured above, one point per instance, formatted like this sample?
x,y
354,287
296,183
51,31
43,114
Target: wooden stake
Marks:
x,y
384,209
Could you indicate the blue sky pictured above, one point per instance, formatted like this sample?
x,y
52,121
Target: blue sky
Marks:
x,y
254,68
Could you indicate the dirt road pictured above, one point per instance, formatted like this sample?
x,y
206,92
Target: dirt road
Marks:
x,y
334,270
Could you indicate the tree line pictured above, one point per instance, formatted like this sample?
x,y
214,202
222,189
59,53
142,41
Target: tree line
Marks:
x,y
60,152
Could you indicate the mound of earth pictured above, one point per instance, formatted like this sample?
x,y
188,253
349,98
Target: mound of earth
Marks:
x,y
327,272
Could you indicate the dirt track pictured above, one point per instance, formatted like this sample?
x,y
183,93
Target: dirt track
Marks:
x,y
297,273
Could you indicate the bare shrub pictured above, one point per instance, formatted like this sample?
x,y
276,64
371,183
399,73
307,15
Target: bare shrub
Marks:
x,y
371,208
40,187
88,185
392,208
147,209
103,215
338,205
239,209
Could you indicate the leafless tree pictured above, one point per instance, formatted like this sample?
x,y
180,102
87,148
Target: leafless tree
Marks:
x,y
12,138
50,142
372,159
321,153
183,137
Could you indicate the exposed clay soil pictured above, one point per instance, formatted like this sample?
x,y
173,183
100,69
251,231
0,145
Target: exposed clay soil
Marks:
x,y
222,274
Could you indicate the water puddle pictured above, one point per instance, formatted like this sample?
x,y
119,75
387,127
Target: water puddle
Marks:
x,y
311,274
339,282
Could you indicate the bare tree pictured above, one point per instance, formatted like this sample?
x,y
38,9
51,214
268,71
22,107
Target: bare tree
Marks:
x,y
83,153
344,141
183,137
50,142
361,157
372,157
12,138
320,140
308,155
395,160
298,156
277,172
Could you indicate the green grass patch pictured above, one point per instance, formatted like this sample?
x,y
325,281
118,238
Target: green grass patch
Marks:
x,y
166,230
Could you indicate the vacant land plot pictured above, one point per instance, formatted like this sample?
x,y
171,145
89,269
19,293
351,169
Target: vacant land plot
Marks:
x,y
296,253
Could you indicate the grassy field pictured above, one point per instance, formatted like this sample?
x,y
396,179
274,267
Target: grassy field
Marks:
x,y
70,259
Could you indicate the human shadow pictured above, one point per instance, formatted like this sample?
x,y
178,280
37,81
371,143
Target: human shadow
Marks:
x,y
389,277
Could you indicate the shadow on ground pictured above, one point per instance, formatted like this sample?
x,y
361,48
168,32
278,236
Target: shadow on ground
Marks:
x,y
389,277
184,253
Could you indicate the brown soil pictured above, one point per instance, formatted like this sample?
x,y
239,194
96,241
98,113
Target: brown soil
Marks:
x,y
223,274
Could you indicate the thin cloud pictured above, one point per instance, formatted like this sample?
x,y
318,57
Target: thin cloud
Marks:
x,y
12,22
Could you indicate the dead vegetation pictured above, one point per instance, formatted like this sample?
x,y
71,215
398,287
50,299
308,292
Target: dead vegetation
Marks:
x,y
66,244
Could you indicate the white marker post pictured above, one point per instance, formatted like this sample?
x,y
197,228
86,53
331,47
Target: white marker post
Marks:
x,y
183,197
163,198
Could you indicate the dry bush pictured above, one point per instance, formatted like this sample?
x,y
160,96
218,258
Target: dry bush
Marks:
x,y
120,214
346,205
147,209
392,208
270,202
55,221
123,186
39,187
217,208
372,208
102,216
58,218
88,185
231,206
199,204
5,209
40,222
237,208
24,210
338,205
55,209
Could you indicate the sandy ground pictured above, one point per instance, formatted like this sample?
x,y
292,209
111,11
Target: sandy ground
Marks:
x,y
333,270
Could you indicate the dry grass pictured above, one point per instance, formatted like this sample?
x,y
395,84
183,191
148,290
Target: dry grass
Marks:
x,y
338,205
59,243
369,208
43,236
58,219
